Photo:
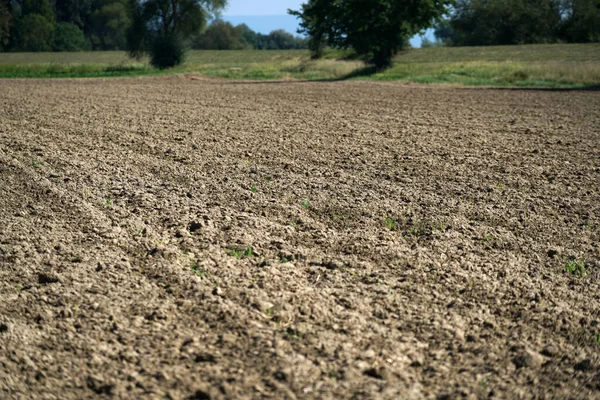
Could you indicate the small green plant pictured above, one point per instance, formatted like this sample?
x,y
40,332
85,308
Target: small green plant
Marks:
x,y
597,339
488,237
108,202
284,260
575,267
294,334
254,189
36,164
391,223
198,270
242,253
305,204
333,376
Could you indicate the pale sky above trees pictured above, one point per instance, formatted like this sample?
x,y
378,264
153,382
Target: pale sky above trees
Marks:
x,y
261,7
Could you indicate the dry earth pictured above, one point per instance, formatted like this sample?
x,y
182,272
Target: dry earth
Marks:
x,y
407,241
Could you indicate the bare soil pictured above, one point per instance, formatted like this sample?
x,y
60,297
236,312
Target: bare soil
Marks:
x,y
188,238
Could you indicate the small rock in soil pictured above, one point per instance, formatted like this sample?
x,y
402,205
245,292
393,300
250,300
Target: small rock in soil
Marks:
x,y
333,264
523,360
205,357
99,387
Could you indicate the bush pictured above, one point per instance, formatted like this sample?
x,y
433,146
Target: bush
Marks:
x,y
68,37
167,52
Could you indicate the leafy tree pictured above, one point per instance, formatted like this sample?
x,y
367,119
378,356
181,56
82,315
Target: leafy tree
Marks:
x,y
502,22
282,40
34,32
375,29
158,24
68,37
5,25
221,35
109,25
77,12
582,21
40,7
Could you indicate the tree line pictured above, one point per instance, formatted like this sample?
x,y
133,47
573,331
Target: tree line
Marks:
x,y
506,22
82,25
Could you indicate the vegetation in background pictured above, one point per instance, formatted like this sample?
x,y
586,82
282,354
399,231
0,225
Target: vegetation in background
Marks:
x,y
82,25
553,66
504,22
160,27
68,37
375,29
222,35
5,25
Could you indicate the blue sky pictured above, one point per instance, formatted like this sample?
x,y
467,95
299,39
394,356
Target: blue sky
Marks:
x,y
261,7
265,16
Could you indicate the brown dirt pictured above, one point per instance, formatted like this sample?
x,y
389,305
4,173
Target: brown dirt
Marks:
x,y
407,241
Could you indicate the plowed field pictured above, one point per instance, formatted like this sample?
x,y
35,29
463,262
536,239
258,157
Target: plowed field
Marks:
x,y
187,238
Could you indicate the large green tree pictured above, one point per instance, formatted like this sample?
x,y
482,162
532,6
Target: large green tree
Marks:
x,y
502,22
581,22
110,21
159,27
5,24
375,29
33,32
221,35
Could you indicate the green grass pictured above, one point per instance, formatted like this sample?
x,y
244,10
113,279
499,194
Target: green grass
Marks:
x,y
575,267
242,253
552,66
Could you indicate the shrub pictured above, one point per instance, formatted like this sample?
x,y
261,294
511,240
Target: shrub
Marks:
x,y
68,37
167,51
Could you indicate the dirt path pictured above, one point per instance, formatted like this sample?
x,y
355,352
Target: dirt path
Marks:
x,y
178,238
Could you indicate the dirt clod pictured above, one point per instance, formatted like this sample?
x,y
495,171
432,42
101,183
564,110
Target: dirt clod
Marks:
x,y
199,395
45,278
583,365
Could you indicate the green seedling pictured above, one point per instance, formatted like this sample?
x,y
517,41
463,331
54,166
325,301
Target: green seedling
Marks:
x,y
575,267
284,260
488,238
390,223
254,189
198,270
597,339
305,204
108,202
333,376
242,253
36,164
